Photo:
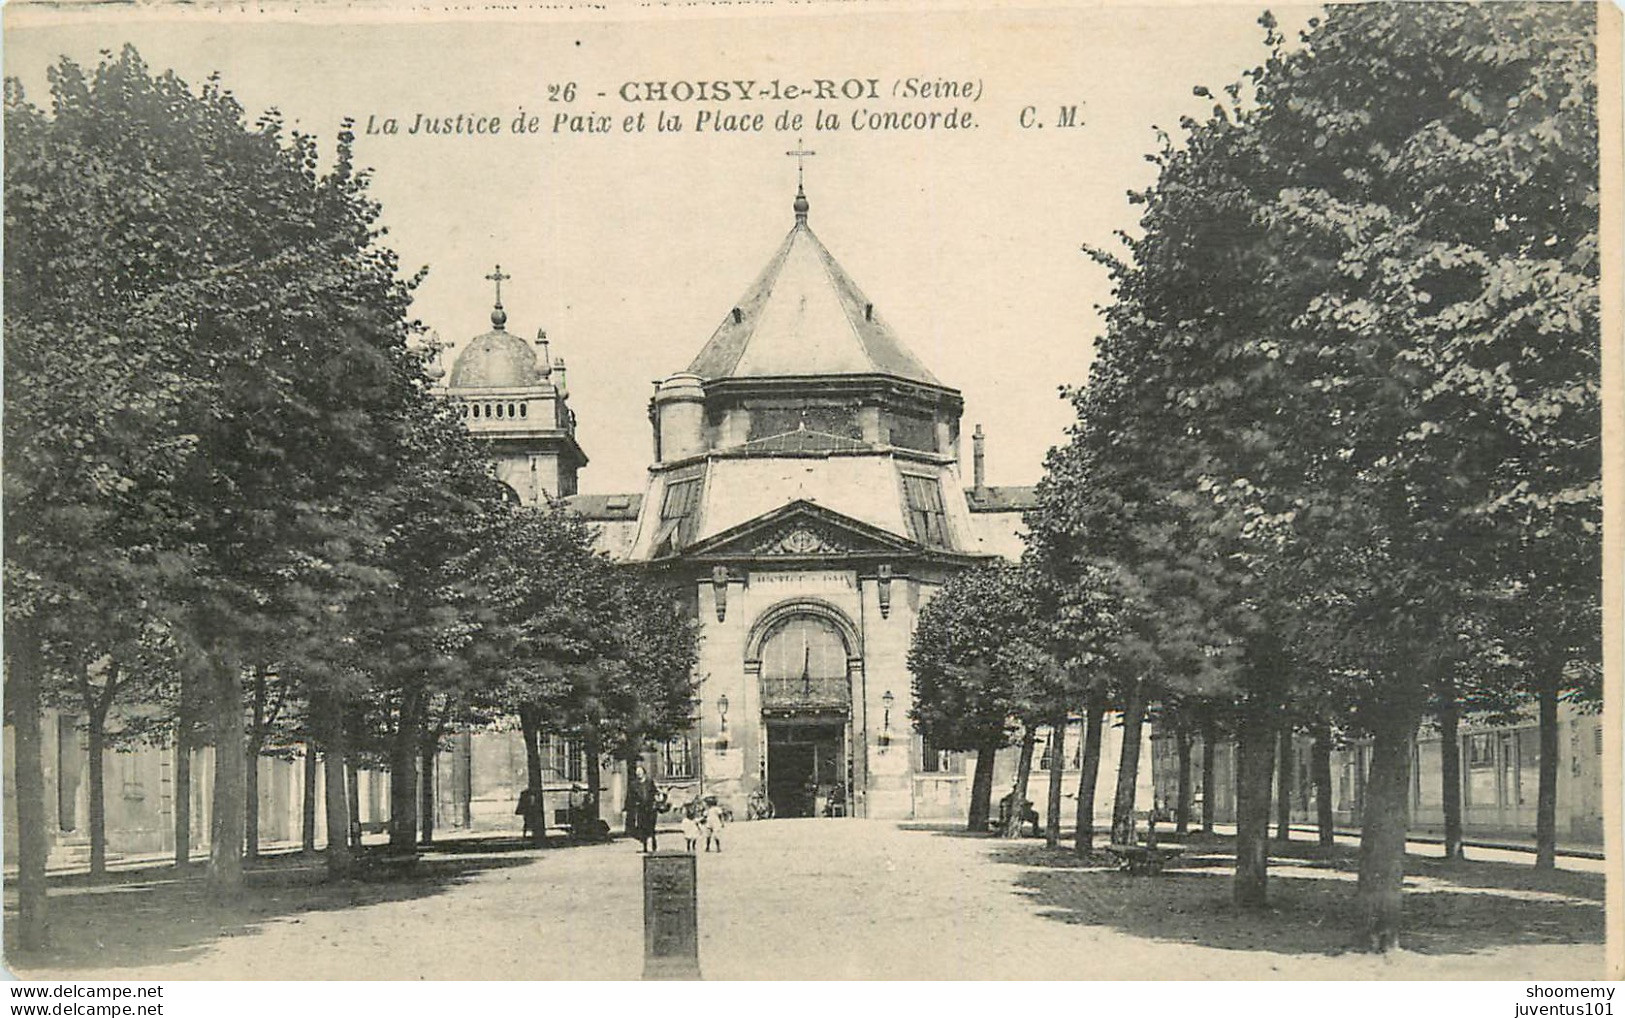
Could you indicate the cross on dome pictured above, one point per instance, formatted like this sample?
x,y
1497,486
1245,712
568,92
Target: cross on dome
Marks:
x,y
499,317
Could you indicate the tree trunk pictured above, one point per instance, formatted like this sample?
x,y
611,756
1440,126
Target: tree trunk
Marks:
x,y
230,747
33,840
251,773
1210,748
96,739
1321,766
403,773
1083,840
595,808
629,772
1128,764
1018,794
335,774
530,725
1255,758
336,797
307,818
1182,803
1450,770
1286,769
1546,801
1382,832
426,796
251,801
352,788
981,785
183,792
1057,768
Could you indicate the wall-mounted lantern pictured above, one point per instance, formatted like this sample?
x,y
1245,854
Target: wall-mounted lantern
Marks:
x,y
887,702
884,590
722,713
719,587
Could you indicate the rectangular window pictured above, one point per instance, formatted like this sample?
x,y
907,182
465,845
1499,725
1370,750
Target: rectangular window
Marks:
x,y
1510,795
932,759
677,758
679,514
927,519
1430,762
1528,765
1072,748
561,758
1481,789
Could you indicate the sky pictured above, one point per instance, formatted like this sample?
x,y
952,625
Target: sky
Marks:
x,y
630,247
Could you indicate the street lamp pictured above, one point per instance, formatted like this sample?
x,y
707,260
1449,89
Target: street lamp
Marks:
x,y
722,712
886,702
695,705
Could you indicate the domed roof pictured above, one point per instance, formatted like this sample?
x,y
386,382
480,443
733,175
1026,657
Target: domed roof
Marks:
x,y
495,360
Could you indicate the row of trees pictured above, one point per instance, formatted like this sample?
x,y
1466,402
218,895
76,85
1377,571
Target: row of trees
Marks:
x,y
1337,465
235,513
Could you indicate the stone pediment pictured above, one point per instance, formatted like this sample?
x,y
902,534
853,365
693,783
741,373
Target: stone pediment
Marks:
x,y
802,530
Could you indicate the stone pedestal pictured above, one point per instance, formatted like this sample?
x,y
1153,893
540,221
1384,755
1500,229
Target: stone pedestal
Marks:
x,y
671,937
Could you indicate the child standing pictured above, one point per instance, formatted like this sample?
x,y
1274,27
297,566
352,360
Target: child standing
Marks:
x,y
713,823
691,826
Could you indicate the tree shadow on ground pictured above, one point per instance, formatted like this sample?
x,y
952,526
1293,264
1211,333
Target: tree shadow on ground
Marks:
x,y
947,830
154,916
1450,908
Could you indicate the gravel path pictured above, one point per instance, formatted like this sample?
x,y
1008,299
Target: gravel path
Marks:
x,y
832,899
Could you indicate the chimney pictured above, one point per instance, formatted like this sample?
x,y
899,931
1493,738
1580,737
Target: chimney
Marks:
x,y
978,472
544,365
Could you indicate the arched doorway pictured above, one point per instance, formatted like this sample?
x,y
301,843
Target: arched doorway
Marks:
x,y
804,656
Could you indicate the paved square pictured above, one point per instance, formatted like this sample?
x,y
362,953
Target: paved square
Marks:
x,y
834,899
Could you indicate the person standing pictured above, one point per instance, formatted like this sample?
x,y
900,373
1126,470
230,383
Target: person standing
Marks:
x,y
641,810
713,823
691,826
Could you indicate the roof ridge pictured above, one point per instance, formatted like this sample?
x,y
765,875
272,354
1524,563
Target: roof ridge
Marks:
x,y
826,261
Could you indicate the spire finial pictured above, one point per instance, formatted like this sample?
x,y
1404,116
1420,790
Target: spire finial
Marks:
x,y
801,204
499,317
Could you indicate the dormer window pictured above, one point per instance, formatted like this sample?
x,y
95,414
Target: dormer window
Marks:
x,y
927,517
679,515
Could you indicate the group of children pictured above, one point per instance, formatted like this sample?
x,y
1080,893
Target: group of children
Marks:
x,y
703,816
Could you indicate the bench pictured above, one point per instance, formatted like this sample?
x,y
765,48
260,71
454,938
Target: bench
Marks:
x,y
1029,815
1143,860
1147,859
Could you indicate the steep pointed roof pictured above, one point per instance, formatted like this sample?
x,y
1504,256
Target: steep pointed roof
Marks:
x,y
805,316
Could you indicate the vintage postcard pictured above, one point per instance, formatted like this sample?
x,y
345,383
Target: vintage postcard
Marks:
x,y
812,491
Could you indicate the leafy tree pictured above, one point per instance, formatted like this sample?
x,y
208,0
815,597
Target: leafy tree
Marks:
x,y
982,661
1354,354
236,348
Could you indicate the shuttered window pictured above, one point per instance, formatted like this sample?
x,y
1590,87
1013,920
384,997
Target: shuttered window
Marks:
x,y
927,519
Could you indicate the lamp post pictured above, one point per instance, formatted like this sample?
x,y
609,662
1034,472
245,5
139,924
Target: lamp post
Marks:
x,y
886,702
722,713
694,706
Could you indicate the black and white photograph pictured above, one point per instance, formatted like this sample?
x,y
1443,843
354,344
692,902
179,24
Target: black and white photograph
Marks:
x,y
812,492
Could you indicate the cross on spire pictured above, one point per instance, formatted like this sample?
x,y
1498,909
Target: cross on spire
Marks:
x,y
801,155
800,204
